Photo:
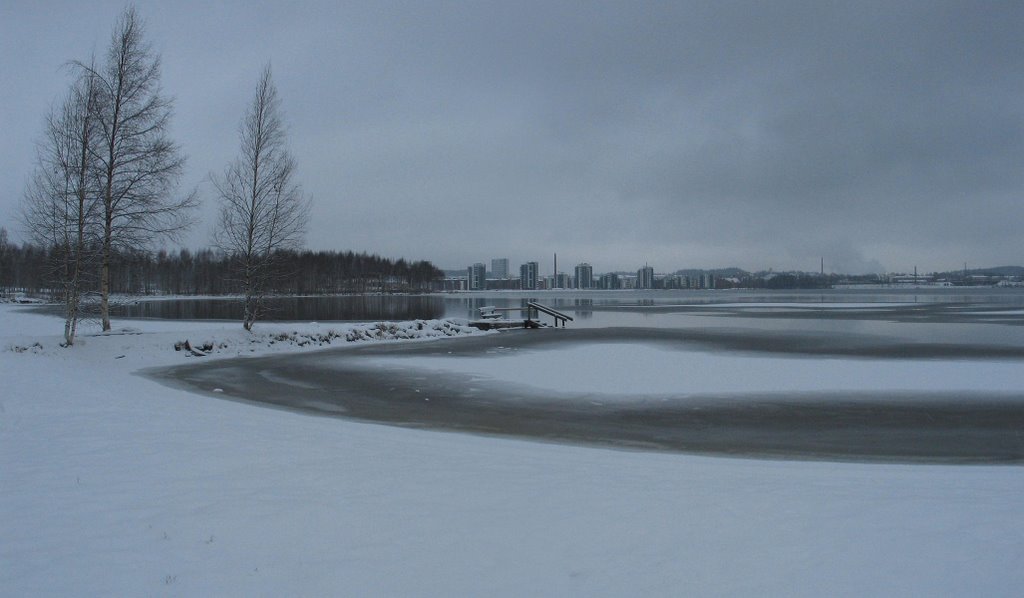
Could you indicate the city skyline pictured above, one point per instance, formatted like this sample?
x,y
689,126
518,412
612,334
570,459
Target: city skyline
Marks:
x,y
573,268
584,277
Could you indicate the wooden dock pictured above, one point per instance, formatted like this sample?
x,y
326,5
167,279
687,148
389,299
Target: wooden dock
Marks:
x,y
490,319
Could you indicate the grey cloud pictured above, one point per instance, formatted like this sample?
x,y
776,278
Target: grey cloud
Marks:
x,y
691,134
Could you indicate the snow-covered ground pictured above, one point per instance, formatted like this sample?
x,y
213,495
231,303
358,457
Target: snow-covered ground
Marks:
x,y
112,484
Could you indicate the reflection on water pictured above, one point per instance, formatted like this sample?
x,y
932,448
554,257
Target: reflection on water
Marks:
x,y
358,308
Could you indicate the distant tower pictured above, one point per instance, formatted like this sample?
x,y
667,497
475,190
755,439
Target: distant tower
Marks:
x,y
477,277
499,267
528,276
645,278
584,276
823,266
610,281
555,277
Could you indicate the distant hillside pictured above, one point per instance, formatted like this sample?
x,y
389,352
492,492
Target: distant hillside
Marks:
x,y
994,271
717,272
998,271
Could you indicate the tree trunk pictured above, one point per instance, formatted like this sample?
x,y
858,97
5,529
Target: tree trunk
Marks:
x,y
105,282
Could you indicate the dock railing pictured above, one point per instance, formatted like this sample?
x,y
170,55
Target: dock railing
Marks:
x,y
554,313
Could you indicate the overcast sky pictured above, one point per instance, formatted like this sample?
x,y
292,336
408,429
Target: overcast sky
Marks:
x,y
879,136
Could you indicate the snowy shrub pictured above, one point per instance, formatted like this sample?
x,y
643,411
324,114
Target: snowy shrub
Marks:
x,y
378,331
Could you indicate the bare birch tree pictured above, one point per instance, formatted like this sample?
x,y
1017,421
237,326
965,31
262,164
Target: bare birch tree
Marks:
x,y
3,256
60,204
262,208
137,164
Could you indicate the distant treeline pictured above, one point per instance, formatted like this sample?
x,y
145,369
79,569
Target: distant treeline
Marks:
x,y
207,272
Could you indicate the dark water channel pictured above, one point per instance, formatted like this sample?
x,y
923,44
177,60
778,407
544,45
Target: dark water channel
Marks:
x,y
899,426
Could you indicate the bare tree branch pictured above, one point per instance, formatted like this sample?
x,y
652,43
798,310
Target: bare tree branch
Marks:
x,y
137,165
263,211
61,201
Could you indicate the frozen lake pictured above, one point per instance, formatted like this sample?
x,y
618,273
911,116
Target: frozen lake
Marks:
x,y
874,377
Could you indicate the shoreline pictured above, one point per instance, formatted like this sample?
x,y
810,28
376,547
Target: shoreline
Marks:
x,y
954,427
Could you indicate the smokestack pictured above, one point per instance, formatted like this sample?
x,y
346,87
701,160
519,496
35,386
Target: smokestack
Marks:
x,y
554,280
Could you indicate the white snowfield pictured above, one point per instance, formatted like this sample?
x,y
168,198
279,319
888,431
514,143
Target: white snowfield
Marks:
x,y
114,485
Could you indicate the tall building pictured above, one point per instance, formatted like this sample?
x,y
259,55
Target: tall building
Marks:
x,y
610,281
645,278
584,276
499,267
528,276
477,277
